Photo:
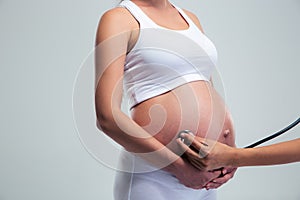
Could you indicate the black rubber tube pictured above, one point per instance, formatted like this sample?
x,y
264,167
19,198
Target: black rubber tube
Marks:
x,y
274,135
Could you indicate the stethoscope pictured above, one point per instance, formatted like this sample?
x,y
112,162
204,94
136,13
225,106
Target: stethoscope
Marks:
x,y
274,135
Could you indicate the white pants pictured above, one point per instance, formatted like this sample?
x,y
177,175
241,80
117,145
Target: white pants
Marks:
x,y
152,184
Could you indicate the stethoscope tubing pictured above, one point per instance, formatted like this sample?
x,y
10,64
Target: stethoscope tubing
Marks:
x,y
292,125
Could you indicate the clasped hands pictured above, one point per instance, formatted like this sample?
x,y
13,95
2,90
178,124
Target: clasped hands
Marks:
x,y
197,151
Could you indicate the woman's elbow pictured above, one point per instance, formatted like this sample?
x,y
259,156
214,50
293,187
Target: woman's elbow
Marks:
x,y
105,122
99,125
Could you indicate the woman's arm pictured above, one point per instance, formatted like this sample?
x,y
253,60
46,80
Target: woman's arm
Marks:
x,y
214,155
112,41
111,46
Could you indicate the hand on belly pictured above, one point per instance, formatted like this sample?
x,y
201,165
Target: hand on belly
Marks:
x,y
195,106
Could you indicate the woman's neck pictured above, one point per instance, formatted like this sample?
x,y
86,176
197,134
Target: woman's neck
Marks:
x,y
159,4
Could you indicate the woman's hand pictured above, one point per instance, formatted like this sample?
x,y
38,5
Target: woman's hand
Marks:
x,y
206,154
192,177
210,156
226,175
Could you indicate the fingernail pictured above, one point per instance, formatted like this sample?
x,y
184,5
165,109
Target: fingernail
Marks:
x,y
204,144
182,134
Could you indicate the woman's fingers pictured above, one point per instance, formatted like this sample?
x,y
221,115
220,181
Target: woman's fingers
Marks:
x,y
223,179
212,186
217,182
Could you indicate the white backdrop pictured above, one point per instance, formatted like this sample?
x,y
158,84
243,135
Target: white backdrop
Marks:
x,y
42,46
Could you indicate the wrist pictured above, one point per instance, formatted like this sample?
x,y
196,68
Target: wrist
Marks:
x,y
235,154
175,166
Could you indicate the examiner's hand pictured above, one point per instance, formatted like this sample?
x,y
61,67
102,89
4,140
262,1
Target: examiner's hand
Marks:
x,y
210,154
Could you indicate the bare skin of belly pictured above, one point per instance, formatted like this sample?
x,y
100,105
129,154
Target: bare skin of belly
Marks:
x,y
195,106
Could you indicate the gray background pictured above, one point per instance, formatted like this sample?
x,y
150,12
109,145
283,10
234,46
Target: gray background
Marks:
x,y
42,46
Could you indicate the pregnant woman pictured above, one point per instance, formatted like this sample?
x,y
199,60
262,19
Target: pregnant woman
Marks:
x,y
157,54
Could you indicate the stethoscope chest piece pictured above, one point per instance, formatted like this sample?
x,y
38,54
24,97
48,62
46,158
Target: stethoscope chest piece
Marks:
x,y
186,131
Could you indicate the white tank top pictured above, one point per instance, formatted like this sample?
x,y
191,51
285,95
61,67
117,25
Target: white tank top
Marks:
x,y
163,59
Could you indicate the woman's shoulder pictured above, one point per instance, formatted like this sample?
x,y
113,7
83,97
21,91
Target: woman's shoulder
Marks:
x,y
117,16
115,21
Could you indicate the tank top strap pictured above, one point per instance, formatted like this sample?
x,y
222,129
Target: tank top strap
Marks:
x,y
186,17
138,14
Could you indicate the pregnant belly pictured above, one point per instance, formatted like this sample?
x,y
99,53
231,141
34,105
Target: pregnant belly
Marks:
x,y
195,106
